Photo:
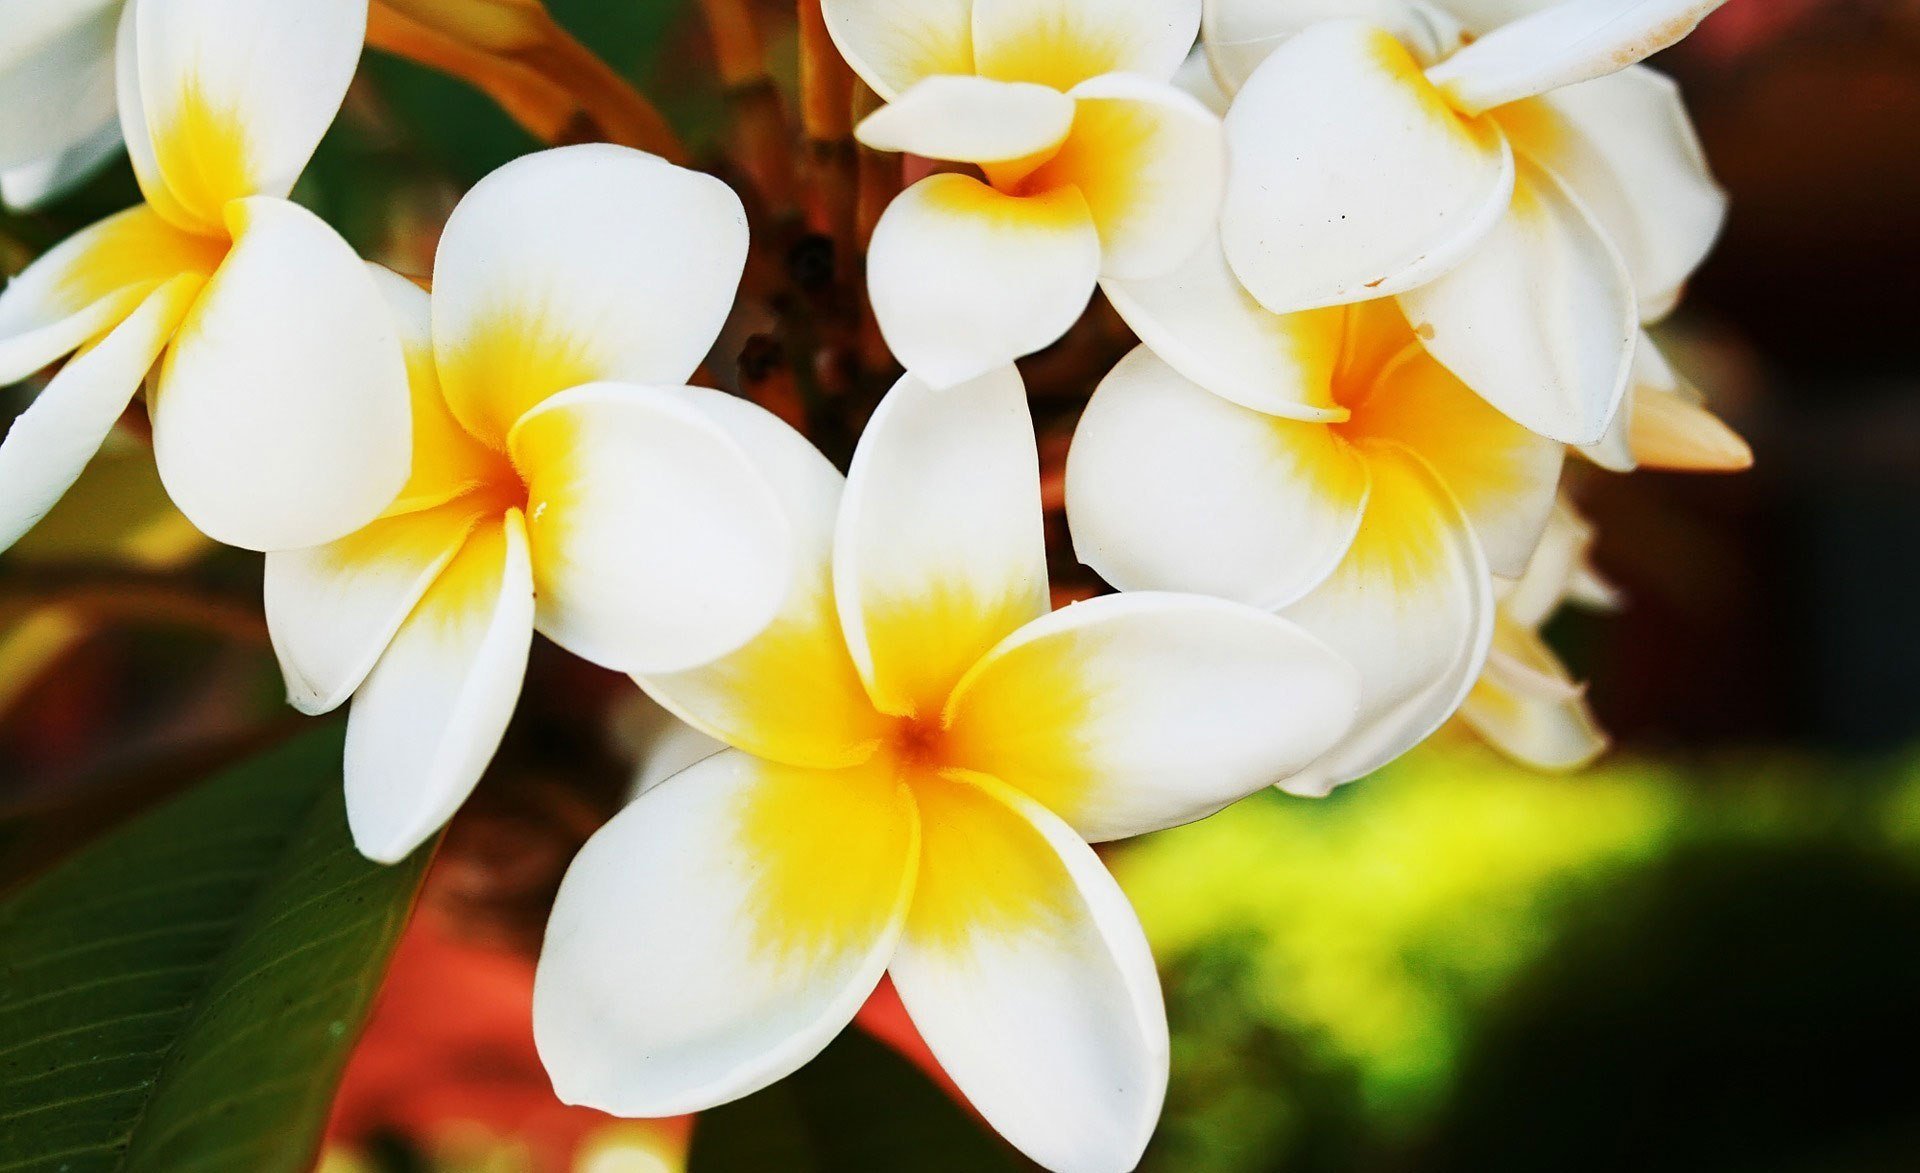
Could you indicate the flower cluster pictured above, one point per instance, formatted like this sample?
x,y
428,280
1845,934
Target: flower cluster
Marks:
x,y
1389,263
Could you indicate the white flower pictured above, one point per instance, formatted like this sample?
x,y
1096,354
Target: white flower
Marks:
x,y
1500,166
280,405
563,480
1090,164
58,121
921,755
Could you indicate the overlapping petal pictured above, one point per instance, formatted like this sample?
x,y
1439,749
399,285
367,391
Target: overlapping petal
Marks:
x,y
1625,145
1061,43
427,720
1239,34
50,444
1412,607
281,417
791,694
776,939
965,279
579,265
233,96
1137,712
1526,706
56,78
940,551
1026,972
1568,43
894,44
1663,424
657,545
971,120
1170,487
1540,319
1351,177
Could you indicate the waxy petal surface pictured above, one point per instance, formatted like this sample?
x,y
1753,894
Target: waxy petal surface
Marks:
x,y
894,44
970,120
1061,43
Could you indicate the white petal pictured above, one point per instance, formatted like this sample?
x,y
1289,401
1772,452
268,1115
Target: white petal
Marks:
x,y
1529,600
719,932
57,93
51,442
282,416
1134,713
1351,178
1412,607
580,265
1625,146
1540,320
1196,78
970,120
1062,43
1240,34
236,94
34,184
1527,707
965,280
1027,974
657,545
1571,42
1152,163
1172,488
660,744
429,717
940,551
333,609
1201,321
893,44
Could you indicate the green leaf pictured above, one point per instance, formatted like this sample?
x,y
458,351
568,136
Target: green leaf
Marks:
x,y
184,993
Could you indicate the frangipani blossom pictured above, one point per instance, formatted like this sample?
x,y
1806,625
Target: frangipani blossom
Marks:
x,y
563,480
279,407
58,121
1501,166
1088,163
920,755
1526,704
1664,424
1322,464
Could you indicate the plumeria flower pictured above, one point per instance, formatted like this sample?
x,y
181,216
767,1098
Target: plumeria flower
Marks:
x,y
1502,167
1084,162
279,407
1526,704
563,480
919,756
1664,424
1322,464
58,121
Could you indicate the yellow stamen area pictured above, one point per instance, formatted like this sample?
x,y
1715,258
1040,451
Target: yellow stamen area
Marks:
x,y
1053,48
512,361
1104,155
470,586
922,645
204,156
985,872
134,249
1481,132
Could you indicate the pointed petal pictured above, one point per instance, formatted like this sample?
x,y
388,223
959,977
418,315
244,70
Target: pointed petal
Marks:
x,y
56,91
894,44
50,444
970,120
1563,555
1412,607
657,546
720,932
1152,163
1540,320
333,609
580,265
1026,972
791,694
940,551
89,282
1625,146
1671,432
235,95
1352,178
1240,34
1548,728
1134,713
1569,43
281,416
1172,488
1502,475
1061,43
965,280
1202,322
427,720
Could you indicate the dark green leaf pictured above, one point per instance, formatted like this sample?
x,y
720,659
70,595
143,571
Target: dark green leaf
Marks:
x,y
183,994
